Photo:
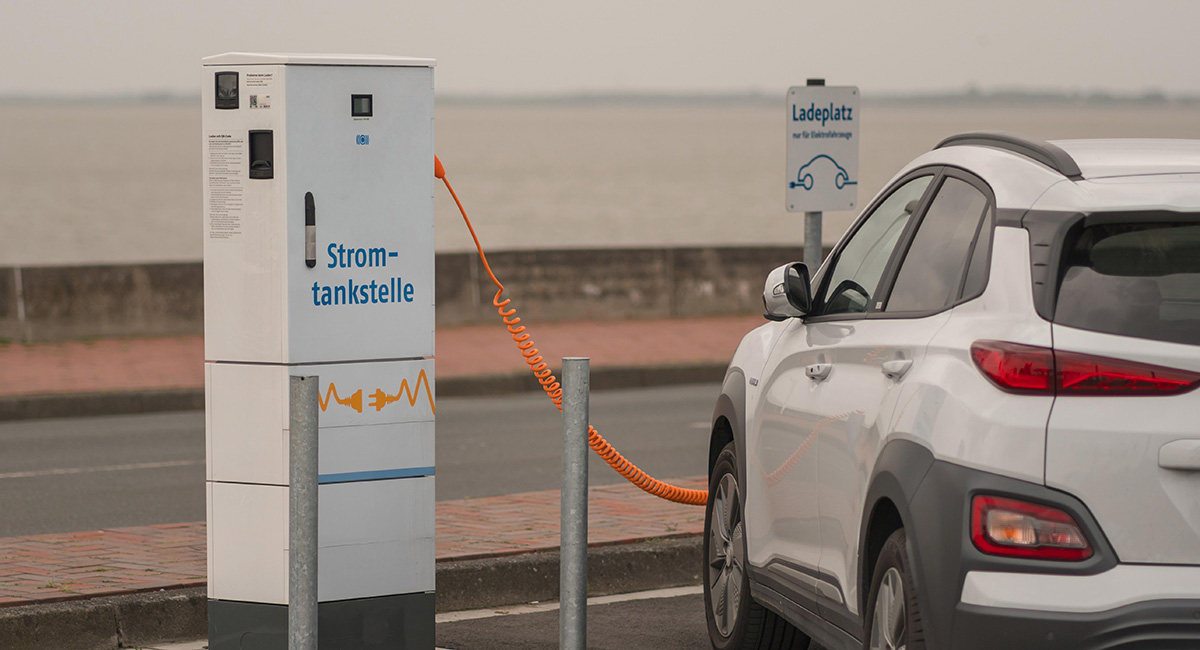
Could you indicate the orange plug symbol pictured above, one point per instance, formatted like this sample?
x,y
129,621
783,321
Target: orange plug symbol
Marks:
x,y
354,401
380,399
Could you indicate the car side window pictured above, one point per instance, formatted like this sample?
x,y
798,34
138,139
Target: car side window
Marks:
x,y
932,272
854,277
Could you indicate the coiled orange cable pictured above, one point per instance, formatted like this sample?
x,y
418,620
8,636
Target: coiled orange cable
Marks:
x,y
553,388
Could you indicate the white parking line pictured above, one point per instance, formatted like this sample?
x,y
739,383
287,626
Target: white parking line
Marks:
x,y
106,468
532,608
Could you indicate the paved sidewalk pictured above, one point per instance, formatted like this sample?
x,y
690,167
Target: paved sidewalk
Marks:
x,y
126,365
69,566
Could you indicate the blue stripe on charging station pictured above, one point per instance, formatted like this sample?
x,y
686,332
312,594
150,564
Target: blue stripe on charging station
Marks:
x,y
375,475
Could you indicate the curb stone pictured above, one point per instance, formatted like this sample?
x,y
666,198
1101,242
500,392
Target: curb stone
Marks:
x,y
77,405
528,577
108,622
143,619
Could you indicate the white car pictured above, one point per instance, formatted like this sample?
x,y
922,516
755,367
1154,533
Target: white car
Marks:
x,y
977,426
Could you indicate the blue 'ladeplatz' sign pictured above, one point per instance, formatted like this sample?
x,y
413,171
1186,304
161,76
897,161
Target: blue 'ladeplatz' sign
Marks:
x,y
822,148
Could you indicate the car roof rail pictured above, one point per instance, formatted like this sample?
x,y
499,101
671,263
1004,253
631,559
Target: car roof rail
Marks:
x,y
1039,150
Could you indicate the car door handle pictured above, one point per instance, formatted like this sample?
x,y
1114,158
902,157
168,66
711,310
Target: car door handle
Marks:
x,y
895,368
818,371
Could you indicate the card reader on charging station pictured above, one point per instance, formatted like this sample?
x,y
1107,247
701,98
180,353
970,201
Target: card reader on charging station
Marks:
x,y
318,260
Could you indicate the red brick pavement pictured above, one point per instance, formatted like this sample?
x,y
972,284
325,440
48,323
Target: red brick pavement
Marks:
x,y
64,566
67,566
178,362
520,523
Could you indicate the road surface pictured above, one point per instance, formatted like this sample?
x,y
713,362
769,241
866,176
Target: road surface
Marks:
x,y
90,473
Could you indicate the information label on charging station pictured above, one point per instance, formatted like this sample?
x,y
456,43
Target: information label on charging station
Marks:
x,y
822,148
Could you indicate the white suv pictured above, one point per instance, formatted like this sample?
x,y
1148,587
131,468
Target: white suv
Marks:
x,y
976,427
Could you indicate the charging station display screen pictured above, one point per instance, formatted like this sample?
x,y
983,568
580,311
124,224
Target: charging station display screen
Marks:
x,y
360,105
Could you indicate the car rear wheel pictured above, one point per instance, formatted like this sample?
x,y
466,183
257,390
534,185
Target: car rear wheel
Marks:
x,y
893,618
735,621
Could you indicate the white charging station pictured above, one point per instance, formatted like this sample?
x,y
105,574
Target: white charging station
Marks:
x,y
318,260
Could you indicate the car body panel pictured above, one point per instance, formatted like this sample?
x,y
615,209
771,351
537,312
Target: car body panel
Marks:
x,y
1104,158
741,377
1107,452
1122,585
1017,182
1172,192
750,357
782,520
960,415
856,416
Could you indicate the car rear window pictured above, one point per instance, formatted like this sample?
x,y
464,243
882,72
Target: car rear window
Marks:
x,y
1134,279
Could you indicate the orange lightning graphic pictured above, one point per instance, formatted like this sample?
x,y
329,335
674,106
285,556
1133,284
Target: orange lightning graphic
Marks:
x,y
354,401
380,399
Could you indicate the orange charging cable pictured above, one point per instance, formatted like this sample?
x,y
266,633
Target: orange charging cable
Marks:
x,y
553,388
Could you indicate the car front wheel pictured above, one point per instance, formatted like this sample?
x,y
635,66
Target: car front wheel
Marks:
x,y
735,621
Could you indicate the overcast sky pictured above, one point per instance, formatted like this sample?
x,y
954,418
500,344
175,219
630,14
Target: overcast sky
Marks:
x,y
73,47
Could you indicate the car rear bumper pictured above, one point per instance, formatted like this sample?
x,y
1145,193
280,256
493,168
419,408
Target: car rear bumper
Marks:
x,y
1157,625
970,600
1120,586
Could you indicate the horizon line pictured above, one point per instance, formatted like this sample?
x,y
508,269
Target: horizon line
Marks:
x,y
970,95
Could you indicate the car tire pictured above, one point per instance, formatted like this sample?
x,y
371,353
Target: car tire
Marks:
x,y
735,620
893,618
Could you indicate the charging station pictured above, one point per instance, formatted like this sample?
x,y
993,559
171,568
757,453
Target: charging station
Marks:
x,y
318,260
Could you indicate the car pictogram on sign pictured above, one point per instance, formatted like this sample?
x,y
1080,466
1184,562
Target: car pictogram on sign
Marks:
x,y
804,177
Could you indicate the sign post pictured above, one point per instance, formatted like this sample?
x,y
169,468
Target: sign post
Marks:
x,y
822,156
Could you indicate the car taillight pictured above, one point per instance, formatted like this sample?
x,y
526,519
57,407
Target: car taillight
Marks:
x,y
1014,367
1019,368
1015,528
1087,375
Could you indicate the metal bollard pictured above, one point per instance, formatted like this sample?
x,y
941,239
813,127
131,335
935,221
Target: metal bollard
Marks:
x,y
303,393
572,572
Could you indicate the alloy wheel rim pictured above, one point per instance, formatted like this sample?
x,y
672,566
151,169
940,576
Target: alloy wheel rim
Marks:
x,y
888,628
726,561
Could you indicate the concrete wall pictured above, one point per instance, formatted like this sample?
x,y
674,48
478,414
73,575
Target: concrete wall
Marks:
x,y
63,303
10,326
75,302
608,283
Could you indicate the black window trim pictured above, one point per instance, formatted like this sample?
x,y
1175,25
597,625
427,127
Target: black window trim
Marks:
x,y
989,214
888,279
1049,235
893,272
822,280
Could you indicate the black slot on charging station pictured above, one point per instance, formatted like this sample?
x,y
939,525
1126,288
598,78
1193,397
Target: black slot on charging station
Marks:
x,y
310,231
262,154
227,90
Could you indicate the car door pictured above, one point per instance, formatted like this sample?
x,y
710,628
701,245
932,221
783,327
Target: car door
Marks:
x,y
783,467
876,363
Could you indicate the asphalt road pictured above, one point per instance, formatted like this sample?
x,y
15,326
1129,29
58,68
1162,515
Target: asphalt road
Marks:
x,y
658,624
639,623
91,473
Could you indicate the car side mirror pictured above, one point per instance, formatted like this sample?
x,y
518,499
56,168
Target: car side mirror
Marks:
x,y
787,293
